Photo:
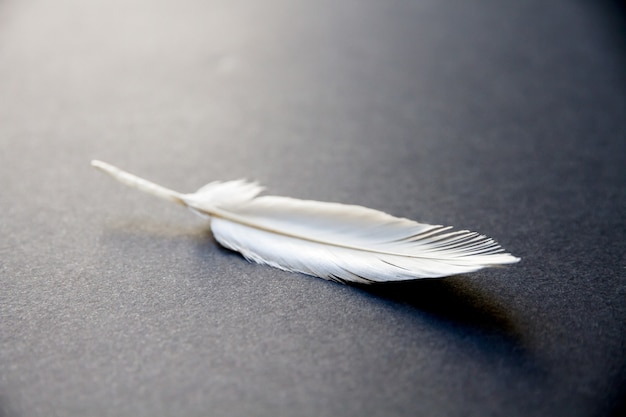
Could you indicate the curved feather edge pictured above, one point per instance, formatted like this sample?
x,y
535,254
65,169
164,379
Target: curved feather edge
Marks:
x,y
339,242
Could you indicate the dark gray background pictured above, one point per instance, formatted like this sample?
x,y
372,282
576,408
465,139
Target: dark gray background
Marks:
x,y
506,117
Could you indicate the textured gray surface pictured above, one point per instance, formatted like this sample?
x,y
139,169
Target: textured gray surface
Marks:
x,y
504,117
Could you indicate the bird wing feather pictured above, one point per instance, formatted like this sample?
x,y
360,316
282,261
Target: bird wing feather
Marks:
x,y
334,241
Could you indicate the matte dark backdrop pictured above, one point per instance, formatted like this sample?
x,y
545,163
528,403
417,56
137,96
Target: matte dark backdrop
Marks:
x,y
506,117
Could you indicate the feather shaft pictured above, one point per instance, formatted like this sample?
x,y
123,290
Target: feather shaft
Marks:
x,y
139,183
244,222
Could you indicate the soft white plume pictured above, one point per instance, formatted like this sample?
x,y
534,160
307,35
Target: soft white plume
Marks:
x,y
333,241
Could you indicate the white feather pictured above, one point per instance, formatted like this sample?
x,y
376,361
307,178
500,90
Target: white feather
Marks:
x,y
333,241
